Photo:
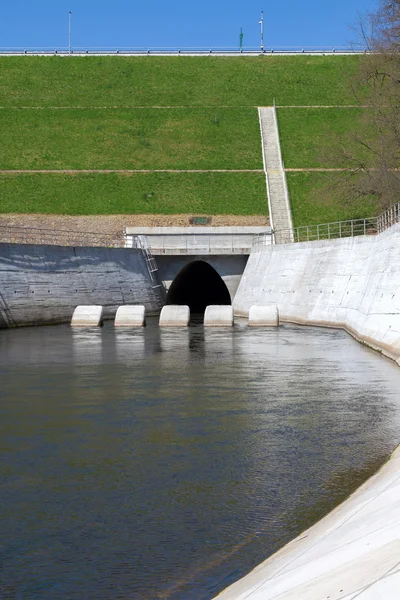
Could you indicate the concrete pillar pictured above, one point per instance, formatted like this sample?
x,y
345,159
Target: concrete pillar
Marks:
x,y
264,316
218,315
130,316
87,316
175,315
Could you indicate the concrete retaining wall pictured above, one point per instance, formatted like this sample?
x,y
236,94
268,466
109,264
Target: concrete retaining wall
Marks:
x,y
351,553
43,284
352,283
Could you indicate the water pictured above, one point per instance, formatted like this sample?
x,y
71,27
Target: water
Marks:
x,y
166,464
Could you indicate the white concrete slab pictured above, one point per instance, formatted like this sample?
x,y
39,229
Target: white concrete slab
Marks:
x,y
385,589
197,240
199,230
263,316
353,552
218,315
87,316
353,283
130,315
174,315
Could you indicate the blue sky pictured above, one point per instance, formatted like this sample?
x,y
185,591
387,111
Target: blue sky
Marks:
x,y
179,23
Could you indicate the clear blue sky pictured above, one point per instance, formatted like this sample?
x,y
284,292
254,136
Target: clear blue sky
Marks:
x,y
179,23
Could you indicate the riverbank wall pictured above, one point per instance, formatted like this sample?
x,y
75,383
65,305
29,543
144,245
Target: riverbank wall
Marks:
x,y
42,285
353,552
349,283
354,284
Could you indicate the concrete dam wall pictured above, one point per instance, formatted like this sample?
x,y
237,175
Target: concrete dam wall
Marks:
x,y
43,284
353,283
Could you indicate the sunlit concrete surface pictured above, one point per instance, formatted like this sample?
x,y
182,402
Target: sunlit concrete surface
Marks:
x,y
130,316
197,240
218,316
351,283
263,316
87,316
354,552
175,315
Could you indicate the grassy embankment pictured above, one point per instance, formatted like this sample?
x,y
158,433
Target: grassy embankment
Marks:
x,y
84,113
307,136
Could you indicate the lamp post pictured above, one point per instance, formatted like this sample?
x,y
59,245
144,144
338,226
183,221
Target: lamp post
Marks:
x,y
241,40
69,32
261,24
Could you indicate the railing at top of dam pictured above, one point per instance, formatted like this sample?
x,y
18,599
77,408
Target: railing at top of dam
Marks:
x,y
174,50
13,234
339,229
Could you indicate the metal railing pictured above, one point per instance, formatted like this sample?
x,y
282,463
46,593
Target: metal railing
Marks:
x,y
11,234
175,50
141,243
389,217
337,229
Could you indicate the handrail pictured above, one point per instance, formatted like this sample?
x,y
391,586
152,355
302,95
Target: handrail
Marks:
x,y
174,50
336,229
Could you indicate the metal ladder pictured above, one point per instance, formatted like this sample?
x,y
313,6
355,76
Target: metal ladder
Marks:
x,y
149,258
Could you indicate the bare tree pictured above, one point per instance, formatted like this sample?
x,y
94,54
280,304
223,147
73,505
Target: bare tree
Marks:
x,y
373,152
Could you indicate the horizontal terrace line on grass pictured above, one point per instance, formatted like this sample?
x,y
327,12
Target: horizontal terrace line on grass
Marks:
x,y
132,171
320,169
177,107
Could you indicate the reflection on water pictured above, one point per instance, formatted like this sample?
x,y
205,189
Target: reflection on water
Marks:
x,y
153,463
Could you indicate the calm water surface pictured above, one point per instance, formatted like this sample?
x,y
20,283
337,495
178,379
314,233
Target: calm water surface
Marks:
x,y
166,464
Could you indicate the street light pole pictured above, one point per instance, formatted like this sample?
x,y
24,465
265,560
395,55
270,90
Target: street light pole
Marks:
x,y
69,32
261,23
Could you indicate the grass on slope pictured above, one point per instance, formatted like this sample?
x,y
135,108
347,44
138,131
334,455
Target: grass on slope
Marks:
x,y
176,81
309,136
130,139
161,193
310,205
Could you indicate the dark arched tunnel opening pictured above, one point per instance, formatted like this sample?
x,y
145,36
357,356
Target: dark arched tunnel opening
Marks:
x,y
198,285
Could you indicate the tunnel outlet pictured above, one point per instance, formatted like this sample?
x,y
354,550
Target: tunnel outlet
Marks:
x,y
198,285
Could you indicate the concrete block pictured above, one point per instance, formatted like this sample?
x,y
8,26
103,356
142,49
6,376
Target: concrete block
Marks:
x,y
130,315
217,315
264,316
87,316
175,315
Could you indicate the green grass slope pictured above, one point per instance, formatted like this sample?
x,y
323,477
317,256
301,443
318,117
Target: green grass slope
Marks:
x,y
130,139
309,135
114,193
75,113
175,81
312,206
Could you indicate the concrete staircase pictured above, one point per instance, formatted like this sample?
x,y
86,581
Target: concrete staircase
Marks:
x,y
278,196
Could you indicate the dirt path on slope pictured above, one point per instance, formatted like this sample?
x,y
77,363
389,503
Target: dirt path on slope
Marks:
x,y
115,224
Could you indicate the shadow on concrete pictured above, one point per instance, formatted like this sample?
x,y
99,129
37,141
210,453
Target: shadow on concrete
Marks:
x,y
198,284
